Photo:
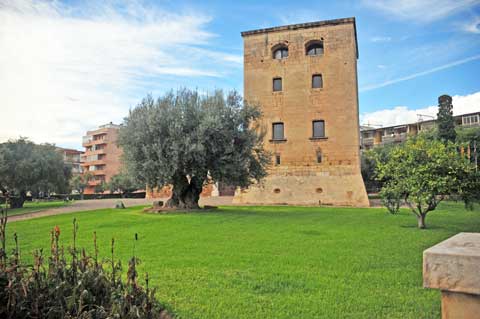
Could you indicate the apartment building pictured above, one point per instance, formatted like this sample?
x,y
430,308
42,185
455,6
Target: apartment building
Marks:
x,y
371,137
102,155
72,158
304,77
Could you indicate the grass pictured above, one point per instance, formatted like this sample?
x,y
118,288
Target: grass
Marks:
x,y
31,207
272,262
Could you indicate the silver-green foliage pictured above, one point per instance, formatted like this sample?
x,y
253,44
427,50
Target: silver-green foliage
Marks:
x,y
123,183
25,166
200,136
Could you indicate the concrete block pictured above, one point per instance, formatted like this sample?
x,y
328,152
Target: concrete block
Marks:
x,y
453,266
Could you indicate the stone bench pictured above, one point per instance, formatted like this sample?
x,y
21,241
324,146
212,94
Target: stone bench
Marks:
x,y
453,266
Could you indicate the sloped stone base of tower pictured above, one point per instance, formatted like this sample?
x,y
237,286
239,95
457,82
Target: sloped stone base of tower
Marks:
x,y
339,186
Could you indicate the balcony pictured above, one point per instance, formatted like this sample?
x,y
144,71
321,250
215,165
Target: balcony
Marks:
x,y
87,139
471,120
94,183
98,163
93,158
91,140
94,152
367,141
388,139
394,138
400,137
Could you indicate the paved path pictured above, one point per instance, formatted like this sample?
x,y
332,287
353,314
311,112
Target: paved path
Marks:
x,y
85,205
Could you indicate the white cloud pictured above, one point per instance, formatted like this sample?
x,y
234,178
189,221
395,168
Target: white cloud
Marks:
x,y
64,69
380,39
472,26
403,114
421,10
418,74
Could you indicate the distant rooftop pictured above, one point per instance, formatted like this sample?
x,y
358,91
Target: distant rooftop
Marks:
x,y
110,125
364,128
306,25
69,150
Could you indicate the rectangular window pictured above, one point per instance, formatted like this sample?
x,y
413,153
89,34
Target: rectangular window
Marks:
x,y
318,129
319,157
277,84
317,81
277,159
278,133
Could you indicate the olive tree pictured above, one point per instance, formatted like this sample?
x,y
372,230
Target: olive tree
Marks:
x,y
123,183
28,167
186,139
79,182
423,172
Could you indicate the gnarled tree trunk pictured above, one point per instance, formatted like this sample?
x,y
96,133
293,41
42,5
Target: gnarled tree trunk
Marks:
x,y
17,202
185,193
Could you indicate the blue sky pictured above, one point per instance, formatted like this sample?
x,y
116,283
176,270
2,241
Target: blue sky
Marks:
x,y
70,66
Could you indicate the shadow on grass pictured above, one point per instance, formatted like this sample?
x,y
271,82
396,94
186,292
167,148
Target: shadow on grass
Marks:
x,y
429,227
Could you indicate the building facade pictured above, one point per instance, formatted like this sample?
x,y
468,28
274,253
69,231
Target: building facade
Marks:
x,y
373,137
304,78
72,159
102,155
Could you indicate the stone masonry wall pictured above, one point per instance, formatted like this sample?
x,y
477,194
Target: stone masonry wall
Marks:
x,y
299,179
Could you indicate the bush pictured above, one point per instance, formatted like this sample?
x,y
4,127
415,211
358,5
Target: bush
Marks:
x,y
80,286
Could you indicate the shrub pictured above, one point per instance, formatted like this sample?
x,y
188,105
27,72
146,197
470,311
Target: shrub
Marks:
x,y
391,199
71,284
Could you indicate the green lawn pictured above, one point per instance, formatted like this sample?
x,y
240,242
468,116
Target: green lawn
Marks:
x,y
30,207
273,262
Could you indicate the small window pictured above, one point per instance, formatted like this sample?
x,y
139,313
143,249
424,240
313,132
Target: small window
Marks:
x,y
314,48
317,81
277,84
318,129
280,52
278,133
319,157
277,159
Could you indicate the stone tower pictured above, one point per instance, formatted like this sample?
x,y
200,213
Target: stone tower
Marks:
x,y
304,77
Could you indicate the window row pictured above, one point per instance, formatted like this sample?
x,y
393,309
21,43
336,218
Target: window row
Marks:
x,y
317,83
470,119
312,48
278,130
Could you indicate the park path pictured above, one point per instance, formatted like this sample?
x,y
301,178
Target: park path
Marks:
x,y
86,205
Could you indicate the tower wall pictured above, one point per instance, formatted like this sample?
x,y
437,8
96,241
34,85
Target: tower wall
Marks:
x,y
300,178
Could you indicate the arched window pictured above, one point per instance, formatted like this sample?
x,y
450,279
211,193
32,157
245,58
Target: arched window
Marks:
x,y
314,47
280,52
